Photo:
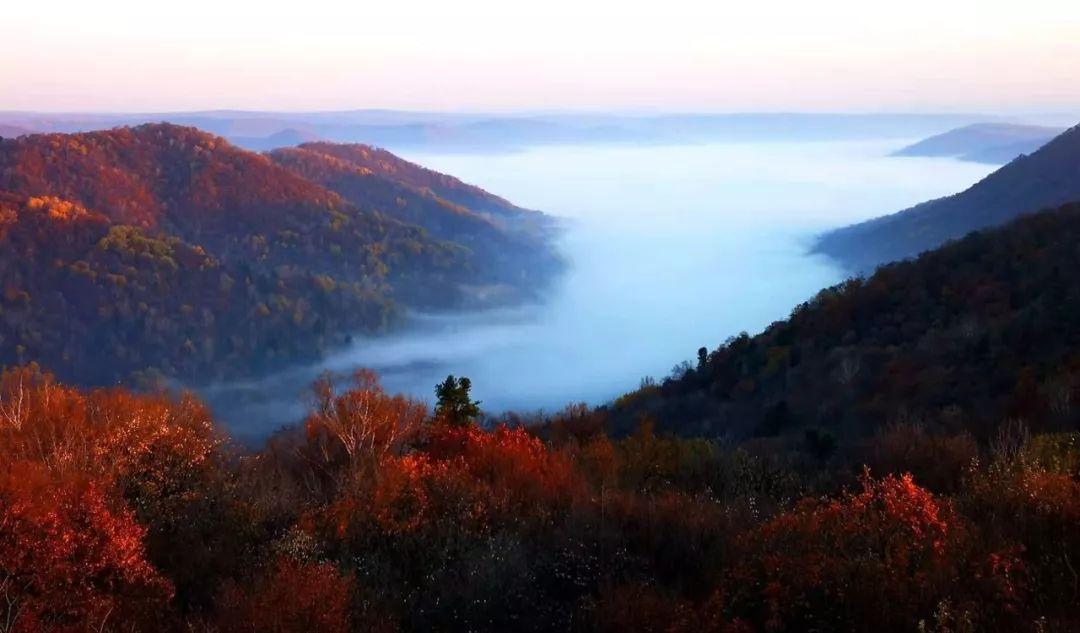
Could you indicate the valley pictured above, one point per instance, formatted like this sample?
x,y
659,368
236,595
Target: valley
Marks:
x,y
667,249
558,317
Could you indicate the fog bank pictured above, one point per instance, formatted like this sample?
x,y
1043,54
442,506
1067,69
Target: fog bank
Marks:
x,y
670,248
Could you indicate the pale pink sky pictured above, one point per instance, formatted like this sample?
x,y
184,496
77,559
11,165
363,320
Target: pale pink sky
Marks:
x,y
497,55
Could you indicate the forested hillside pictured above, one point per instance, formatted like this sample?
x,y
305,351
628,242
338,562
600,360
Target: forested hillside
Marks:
x,y
1047,178
511,242
980,331
164,251
383,163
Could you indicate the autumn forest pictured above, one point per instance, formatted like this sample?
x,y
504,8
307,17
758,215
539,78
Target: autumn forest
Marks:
x,y
901,453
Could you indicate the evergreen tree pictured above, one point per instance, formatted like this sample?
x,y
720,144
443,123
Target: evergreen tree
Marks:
x,y
455,406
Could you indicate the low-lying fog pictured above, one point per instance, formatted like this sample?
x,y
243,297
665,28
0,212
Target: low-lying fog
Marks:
x,y
670,249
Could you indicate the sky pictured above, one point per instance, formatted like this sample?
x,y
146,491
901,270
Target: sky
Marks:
x,y
502,55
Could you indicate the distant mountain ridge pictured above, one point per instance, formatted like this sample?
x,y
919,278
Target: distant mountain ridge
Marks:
x,y
1049,177
162,250
993,143
480,131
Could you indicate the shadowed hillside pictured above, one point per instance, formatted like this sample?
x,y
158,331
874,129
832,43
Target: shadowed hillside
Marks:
x,y
964,337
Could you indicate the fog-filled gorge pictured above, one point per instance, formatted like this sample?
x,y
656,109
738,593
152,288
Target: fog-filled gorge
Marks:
x,y
669,248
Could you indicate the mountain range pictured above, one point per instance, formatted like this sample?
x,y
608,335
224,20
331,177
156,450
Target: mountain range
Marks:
x,y
262,131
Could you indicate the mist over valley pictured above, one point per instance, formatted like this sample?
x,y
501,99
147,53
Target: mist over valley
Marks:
x,y
668,248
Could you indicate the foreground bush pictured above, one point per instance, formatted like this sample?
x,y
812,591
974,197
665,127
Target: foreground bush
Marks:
x,y
878,559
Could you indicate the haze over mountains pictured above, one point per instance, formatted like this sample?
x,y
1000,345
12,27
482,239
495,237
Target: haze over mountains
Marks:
x,y
11,131
162,250
1049,177
479,131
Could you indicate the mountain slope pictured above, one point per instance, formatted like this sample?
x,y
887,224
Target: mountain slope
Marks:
x,y
238,205
1003,154
995,143
383,163
1047,178
99,302
512,253
980,330
163,250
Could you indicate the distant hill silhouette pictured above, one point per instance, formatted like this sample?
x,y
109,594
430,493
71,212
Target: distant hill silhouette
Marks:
x,y
1047,178
993,143
289,137
486,132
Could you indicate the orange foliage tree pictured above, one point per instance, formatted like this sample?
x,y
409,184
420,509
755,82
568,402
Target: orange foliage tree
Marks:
x,y
110,433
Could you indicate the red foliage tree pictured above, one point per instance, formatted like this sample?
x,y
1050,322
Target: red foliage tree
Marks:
x,y
69,558
877,559
517,472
